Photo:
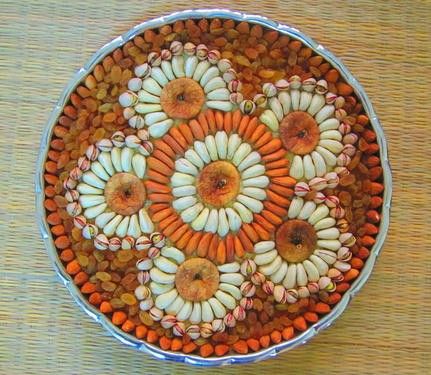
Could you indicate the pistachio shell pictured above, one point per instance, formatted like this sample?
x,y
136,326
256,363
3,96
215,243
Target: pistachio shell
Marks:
x,y
111,226
214,84
185,311
202,151
161,277
317,102
165,264
297,167
253,171
200,221
104,219
121,230
116,159
91,179
181,179
220,105
259,181
165,299
269,118
178,66
253,204
221,141
173,253
105,160
212,222
91,200
207,312
229,267
263,246
92,212
245,214
211,147
193,157
295,207
210,74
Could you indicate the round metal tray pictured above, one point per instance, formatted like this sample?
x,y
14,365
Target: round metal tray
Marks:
x,y
153,350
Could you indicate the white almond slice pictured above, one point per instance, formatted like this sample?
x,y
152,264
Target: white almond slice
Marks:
x,y
144,108
231,289
295,96
217,308
146,97
266,257
121,230
219,94
109,228
105,159
263,246
251,159
178,66
165,265
221,141
145,223
210,74
252,204
193,157
297,167
159,129
190,66
175,306
306,210
254,192
319,164
214,84
245,214
301,275
331,145
116,159
295,207
327,222
200,70
211,147
212,222
259,181
159,76
165,299
326,255
333,245
196,315
155,117
182,203
158,288
272,267
316,104
243,150
276,108
221,105
311,270
309,169
189,214
326,112
183,191
234,219
320,264
285,101
225,299
305,100
329,157
88,189
104,219
229,267
278,276
223,225
185,311
173,253
182,179
91,200
253,171
185,166
139,165
92,212
232,278
91,179
207,312
126,159
150,84
320,213
199,223
161,277
331,134
269,119
167,70
232,145
133,229
329,124
202,151
289,281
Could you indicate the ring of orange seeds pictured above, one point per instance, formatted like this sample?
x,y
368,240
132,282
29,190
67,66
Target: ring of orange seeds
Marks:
x,y
161,166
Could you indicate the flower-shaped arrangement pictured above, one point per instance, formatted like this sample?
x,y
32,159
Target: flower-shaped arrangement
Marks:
x,y
213,187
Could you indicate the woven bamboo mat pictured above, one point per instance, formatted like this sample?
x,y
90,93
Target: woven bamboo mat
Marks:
x,y
387,45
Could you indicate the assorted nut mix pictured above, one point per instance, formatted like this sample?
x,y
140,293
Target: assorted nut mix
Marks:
x,y
213,187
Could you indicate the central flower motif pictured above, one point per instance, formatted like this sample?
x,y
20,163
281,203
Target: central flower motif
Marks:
x,y
212,184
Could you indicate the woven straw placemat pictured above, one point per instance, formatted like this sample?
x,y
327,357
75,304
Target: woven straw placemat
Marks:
x,y
387,45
